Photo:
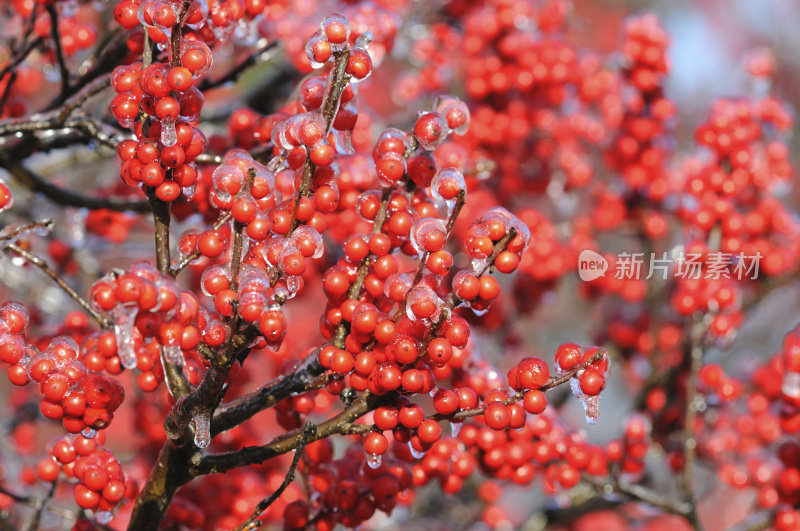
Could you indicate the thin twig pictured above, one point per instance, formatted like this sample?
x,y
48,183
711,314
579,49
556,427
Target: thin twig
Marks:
x,y
37,516
194,255
55,31
20,56
46,224
640,493
252,522
41,264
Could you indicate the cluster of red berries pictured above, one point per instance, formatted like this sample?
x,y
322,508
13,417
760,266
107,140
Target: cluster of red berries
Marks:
x,y
153,318
640,150
100,486
84,401
736,190
645,51
159,102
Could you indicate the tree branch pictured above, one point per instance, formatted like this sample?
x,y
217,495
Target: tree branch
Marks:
x,y
689,441
35,183
55,32
341,423
642,494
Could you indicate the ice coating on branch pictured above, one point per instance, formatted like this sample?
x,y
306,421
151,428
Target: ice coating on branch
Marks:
x,y
202,430
173,354
374,461
124,316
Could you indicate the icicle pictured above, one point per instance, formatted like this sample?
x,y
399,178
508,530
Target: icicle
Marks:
x,y
374,461
169,136
124,318
455,428
202,430
88,432
591,404
173,354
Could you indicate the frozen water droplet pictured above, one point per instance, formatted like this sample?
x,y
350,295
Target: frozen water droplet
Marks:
x,y
791,384
124,318
88,432
374,461
591,404
103,517
414,453
202,430
169,137
188,192
173,354
455,428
